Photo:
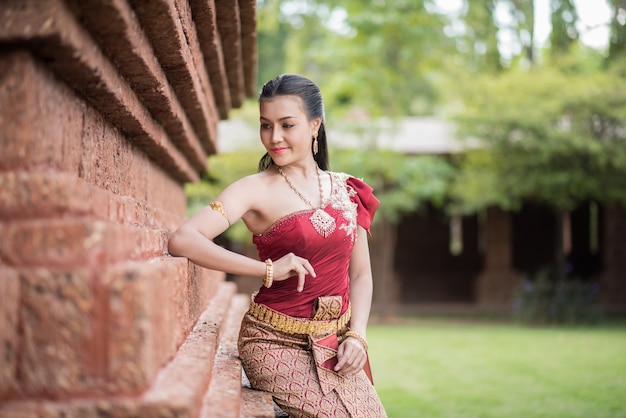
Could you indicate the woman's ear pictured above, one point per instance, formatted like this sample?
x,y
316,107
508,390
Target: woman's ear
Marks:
x,y
316,123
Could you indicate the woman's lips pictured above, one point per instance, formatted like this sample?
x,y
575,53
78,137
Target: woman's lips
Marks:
x,y
279,150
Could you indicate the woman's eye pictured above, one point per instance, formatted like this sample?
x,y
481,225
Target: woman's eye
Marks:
x,y
287,125
265,126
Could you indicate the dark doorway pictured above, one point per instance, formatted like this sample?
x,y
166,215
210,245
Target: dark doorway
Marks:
x,y
426,268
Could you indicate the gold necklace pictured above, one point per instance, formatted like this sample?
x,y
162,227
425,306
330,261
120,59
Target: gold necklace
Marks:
x,y
323,223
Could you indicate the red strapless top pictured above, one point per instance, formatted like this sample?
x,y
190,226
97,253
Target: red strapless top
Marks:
x,y
352,203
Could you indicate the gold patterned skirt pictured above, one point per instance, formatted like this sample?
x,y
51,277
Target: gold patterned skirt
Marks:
x,y
291,368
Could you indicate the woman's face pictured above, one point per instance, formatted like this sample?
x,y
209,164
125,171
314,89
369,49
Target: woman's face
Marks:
x,y
286,132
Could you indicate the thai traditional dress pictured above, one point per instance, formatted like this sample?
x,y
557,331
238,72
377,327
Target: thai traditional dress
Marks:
x,y
288,339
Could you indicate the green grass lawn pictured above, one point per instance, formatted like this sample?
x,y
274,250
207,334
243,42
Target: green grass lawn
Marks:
x,y
444,369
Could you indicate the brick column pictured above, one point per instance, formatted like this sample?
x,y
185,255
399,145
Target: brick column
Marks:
x,y
612,279
496,285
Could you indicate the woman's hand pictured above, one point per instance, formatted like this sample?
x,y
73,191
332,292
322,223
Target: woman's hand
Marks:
x,y
291,265
352,357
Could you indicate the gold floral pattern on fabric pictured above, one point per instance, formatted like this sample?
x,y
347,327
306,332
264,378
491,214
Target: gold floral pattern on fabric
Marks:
x,y
283,365
328,307
341,200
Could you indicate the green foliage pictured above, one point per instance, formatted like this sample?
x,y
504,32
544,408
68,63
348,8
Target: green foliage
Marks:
x,y
571,302
480,42
363,55
564,32
548,136
617,42
402,183
552,127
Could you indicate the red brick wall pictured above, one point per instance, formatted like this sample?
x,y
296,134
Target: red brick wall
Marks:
x,y
98,134
84,221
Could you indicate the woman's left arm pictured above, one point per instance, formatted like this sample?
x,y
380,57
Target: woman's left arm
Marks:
x,y
352,354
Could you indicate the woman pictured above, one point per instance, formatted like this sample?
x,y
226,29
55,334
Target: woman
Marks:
x,y
303,339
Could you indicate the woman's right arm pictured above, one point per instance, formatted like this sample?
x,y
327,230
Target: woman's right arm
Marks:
x,y
191,240
194,238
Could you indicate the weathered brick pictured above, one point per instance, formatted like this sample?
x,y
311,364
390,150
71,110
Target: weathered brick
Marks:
x,y
176,48
78,242
223,399
93,151
25,112
78,139
247,16
57,37
79,408
30,194
211,46
229,27
117,29
84,334
163,193
9,305
177,390
57,343
152,307
53,194
185,378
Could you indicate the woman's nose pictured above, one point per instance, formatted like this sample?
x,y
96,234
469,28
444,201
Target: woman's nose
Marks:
x,y
276,135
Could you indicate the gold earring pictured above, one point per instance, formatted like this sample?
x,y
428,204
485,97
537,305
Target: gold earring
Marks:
x,y
314,143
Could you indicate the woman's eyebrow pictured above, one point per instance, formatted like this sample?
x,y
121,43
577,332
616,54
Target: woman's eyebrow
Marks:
x,y
283,118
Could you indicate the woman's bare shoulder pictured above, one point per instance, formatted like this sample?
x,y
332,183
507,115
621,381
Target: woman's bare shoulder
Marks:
x,y
252,182
250,187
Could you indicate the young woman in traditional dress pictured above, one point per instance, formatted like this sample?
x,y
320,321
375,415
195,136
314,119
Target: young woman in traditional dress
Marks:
x,y
304,336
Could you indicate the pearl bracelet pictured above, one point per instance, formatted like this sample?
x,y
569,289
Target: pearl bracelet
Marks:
x,y
269,273
358,337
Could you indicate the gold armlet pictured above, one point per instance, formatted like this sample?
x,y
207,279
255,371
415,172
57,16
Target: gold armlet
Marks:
x,y
358,337
217,206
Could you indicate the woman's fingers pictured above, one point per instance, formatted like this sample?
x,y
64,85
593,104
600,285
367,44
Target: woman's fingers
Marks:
x,y
305,268
351,356
292,265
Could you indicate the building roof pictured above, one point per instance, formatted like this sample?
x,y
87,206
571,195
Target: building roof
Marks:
x,y
411,135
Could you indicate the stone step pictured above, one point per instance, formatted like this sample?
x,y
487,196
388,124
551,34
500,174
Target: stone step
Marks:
x,y
226,398
257,404
178,389
184,379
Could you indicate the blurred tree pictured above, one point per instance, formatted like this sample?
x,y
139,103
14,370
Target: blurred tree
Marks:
x,y
403,183
617,41
522,26
385,62
272,35
481,36
564,32
552,131
364,55
550,137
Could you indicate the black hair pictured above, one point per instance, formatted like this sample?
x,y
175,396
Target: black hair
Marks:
x,y
309,93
